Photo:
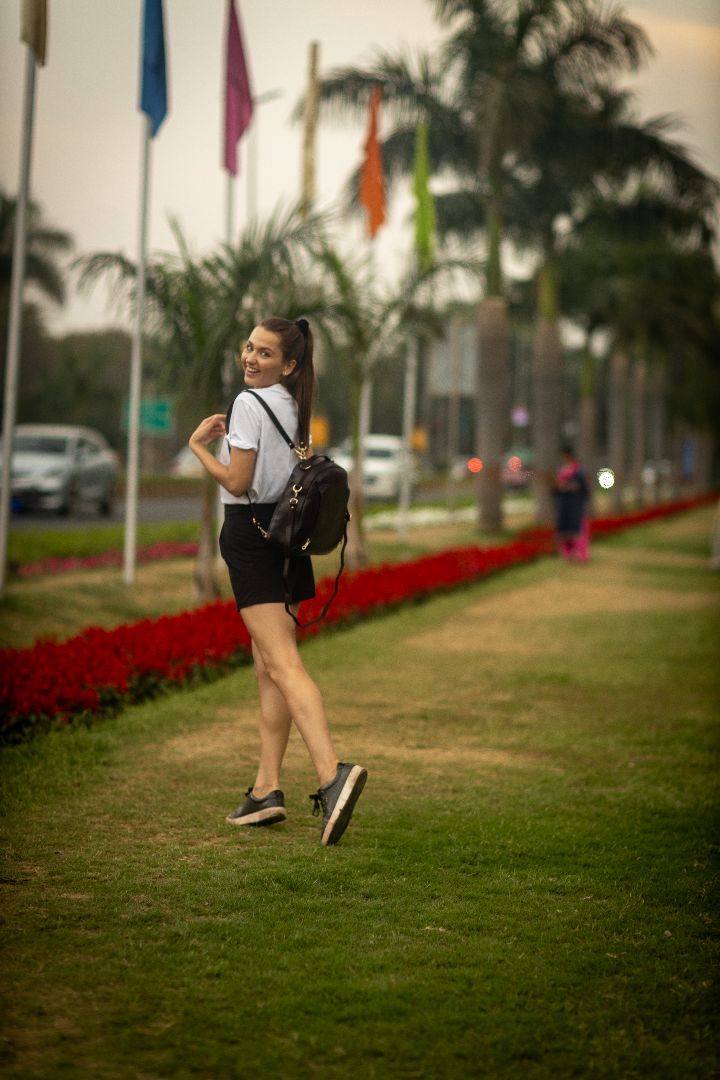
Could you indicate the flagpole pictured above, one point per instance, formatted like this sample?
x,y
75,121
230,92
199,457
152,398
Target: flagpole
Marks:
x,y
228,360
133,444
453,417
229,209
424,226
307,172
12,363
409,399
372,196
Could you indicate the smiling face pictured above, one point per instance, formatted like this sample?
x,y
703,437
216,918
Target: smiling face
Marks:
x,y
262,359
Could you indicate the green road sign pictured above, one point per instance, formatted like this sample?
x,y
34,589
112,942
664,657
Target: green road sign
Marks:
x,y
156,416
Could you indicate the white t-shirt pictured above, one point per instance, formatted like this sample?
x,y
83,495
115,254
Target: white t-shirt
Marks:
x,y
252,429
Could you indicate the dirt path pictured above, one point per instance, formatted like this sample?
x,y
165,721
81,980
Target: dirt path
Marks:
x,y
514,625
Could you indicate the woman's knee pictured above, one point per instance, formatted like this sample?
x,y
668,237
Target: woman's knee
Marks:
x,y
261,671
285,672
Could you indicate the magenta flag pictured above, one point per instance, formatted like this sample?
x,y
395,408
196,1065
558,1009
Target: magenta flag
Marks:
x,y
238,97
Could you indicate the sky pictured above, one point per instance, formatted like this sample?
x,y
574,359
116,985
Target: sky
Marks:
x,y
87,136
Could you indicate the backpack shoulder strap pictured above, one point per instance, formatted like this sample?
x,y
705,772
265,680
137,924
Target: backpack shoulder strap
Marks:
x,y
274,419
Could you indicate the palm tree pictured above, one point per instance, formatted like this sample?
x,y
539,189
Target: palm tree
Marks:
x,y
365,326
199,310
584,145
639,266
482,100
43,247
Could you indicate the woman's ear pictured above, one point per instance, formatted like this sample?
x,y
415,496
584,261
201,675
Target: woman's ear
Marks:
x,y
288,367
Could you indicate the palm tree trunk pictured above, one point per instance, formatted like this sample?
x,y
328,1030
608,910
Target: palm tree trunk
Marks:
x,y
547,392
617,424
587,422
638,429
678,435
658,424
493,272
492,408
356,555
706,442
207,587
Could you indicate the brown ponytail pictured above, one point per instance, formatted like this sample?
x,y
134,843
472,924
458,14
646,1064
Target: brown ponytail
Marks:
x,y
296,342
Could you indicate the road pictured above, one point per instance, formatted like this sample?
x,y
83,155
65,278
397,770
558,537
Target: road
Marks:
x,y
187,508
171,508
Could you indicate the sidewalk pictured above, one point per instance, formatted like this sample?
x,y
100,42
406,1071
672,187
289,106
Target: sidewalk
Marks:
x,y
423,516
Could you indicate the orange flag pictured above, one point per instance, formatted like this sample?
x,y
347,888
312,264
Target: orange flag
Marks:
x,y
372,185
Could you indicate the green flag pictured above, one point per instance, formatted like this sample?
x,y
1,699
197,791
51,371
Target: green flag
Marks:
x,y
425,205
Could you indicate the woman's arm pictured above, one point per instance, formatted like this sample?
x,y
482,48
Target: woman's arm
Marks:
x,y
235,477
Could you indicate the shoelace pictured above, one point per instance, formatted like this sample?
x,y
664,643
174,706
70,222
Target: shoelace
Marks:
x,y
318,801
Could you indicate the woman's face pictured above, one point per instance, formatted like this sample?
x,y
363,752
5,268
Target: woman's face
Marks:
x,y
262,359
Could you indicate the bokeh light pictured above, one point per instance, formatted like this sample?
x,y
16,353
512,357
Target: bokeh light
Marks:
x,y
606,478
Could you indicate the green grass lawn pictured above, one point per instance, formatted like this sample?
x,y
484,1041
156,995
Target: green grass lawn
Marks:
x,y
528,888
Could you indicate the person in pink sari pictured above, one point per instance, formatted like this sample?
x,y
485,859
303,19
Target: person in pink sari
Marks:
x,y
571,522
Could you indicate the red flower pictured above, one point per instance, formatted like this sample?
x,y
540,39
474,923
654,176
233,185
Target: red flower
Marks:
x,y
97,669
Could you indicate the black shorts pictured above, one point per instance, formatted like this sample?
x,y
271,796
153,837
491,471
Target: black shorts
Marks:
x,y
256,565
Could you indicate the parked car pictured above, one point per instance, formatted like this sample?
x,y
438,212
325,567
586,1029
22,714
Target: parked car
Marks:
x,y
59,468
384,465
186,464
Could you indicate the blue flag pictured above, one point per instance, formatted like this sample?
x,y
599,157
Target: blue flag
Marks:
x,y
153,94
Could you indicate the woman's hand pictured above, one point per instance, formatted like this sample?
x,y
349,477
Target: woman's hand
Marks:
x,y
209,429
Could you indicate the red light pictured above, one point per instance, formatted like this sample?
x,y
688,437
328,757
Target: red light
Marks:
x,y
514,464
475,465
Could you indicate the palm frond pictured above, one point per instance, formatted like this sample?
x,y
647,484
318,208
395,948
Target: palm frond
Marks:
x,y
594,44
46,276
114,266
410,84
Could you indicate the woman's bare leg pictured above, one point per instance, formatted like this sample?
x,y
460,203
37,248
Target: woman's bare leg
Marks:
x,y
275,724
273,634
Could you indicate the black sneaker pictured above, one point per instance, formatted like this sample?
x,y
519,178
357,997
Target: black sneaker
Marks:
x,y
266,811
338,799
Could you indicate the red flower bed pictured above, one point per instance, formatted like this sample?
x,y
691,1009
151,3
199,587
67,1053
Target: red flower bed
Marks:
x,y
163,549
99,670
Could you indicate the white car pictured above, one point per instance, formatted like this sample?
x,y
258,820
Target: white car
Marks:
x,y
385,462
186,464
60,467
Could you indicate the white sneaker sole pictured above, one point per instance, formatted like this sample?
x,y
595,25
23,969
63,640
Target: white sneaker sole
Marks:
x,y
269,816
342,811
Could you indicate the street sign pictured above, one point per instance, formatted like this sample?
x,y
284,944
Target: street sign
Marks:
x,y
156,416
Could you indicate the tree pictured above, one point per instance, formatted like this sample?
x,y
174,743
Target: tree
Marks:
x,y
587,143
639,266
364,327
200,309
79,378
44,245
483,99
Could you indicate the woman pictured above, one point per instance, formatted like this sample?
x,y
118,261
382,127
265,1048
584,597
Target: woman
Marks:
x,y
252,469
571,494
